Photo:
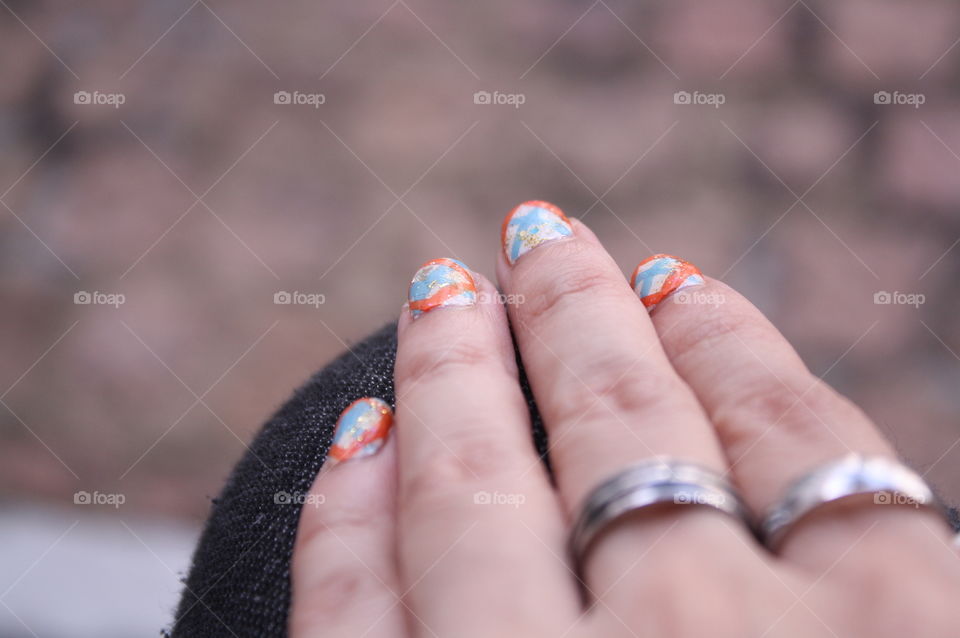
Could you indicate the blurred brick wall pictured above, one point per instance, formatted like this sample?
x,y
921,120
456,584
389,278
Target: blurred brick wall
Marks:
x,y
799,189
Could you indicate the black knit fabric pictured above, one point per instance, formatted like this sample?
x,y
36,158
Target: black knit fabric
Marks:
x,y
239,584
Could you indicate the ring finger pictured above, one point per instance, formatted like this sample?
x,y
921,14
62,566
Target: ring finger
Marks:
x,y
777,422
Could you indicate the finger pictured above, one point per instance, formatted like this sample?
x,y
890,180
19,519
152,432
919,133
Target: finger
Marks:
x,y
776,420
604,387
343,569
478,518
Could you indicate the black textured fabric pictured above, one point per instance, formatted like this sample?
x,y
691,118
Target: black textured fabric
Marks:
x,y
239,584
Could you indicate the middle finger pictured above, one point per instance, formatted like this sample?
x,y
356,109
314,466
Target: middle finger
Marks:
x,y
607,392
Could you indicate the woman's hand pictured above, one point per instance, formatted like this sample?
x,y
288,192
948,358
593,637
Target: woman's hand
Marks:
x,y
453,527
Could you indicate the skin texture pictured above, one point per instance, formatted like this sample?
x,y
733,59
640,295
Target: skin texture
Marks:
x,y
453,528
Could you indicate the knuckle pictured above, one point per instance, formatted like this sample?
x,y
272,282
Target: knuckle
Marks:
x,y
574,281
618,383
320,528
330,596
772,403
465,461
708,326
463,355
327,573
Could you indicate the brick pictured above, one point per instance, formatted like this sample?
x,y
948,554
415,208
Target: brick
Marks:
x,y
800,138
915,166
704,39
897,40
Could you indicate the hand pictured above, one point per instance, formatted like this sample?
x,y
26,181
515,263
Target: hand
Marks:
x,y
453,527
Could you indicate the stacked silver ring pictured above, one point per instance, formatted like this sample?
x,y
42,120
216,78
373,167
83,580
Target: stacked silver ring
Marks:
x,y
653,482
889,482
676,482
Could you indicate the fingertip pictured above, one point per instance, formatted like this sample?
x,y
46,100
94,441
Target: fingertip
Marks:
x,y
361,430
532,224
344,542
659,276
441,283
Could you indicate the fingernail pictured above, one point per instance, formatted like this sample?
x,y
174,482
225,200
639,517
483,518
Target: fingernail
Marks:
x,y
531,224
659,276
441,282
361,430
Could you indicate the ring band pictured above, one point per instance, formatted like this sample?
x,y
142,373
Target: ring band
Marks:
x,y
890,482
653,482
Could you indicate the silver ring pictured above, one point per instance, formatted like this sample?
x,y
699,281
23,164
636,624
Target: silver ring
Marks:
x,y
889,482
653,482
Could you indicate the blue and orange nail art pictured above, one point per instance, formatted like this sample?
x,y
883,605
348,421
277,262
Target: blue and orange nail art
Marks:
x,y
659,276
441,282
362,430
531,224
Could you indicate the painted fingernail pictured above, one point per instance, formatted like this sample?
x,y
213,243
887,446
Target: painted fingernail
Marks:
x,y
441,282
361,430
659,276
531,224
